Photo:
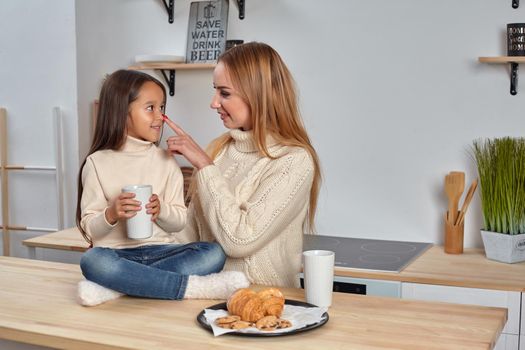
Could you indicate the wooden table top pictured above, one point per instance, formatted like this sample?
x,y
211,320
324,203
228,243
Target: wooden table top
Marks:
x,y
470,269
68,239
37,306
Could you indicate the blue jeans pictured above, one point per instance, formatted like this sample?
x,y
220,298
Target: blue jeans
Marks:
x,y
152,271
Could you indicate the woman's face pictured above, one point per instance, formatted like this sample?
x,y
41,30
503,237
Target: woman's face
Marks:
x,y
145,113
234,112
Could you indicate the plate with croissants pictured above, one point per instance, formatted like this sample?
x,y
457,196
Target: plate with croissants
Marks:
x,y
263,313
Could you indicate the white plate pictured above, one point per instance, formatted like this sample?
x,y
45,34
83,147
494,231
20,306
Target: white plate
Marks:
x,y
160,58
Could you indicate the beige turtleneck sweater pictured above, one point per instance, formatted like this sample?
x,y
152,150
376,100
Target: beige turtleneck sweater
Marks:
x,y
138,162
255,208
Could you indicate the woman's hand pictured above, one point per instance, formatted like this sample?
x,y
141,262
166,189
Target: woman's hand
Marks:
x,y
183,144
123,207
153,207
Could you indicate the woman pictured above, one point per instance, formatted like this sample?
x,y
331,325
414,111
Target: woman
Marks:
x,y
256,191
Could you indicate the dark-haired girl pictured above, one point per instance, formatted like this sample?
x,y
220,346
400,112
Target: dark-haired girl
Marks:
x,y
124,152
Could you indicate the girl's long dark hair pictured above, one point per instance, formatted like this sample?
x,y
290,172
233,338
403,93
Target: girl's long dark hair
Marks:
x,y
119,90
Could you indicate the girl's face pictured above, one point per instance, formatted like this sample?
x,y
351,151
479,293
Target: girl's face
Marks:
x,y
234,112
145,113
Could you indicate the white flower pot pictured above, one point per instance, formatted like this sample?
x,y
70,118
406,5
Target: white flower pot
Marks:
x,y
502,247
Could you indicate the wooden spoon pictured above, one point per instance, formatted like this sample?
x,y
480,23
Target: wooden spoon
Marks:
x,y
454,186
466,202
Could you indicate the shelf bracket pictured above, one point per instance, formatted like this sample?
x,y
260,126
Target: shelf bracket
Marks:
x,y
515,4
513,78
170,81
240,4
171,7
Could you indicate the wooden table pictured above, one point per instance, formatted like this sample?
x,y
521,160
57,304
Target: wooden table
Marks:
x,y
69,239
37,306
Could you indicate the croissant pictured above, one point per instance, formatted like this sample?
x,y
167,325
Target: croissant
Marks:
x,y
246,304
273,301
252,306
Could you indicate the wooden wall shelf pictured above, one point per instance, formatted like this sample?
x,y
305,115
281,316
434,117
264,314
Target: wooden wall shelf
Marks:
x,y
514,63
502,59
171,67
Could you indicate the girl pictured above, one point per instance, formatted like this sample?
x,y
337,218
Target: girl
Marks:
x,y
123,152
256,193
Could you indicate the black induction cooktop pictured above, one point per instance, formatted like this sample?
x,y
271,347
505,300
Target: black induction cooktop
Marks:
x,y
369,254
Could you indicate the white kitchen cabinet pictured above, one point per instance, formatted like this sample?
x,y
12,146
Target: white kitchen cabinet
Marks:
x,y
522,333
12,345
471,296
523,318
507,342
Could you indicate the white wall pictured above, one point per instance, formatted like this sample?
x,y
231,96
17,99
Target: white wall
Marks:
x,y
128,28
37,73
391,92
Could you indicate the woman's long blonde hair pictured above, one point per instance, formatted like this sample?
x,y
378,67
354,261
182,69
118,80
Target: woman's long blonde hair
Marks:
x,y
264,82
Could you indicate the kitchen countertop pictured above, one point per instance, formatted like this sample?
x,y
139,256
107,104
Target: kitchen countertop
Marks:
x,y
434,266
470,269
37,306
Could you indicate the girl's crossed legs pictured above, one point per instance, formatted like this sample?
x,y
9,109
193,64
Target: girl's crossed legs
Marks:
x,y
169,271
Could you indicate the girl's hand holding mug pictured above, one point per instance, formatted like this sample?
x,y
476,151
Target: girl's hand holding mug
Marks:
x,y
153,207
123,207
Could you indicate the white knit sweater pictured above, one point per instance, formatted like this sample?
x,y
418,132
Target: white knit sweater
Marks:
x,y
255,208
138,162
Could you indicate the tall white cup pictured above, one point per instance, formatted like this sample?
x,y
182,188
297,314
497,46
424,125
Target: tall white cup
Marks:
x,y
140,226
318,276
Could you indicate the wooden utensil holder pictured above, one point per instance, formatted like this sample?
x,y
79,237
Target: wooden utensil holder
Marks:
x,y
454,237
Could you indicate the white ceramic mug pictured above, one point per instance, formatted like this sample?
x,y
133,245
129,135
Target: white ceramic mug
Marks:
x,y
140,226
318,270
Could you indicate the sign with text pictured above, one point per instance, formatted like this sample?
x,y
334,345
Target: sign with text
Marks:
x,y
207,28
516,39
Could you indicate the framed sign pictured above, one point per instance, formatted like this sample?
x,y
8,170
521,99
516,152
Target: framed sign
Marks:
x,y
207,28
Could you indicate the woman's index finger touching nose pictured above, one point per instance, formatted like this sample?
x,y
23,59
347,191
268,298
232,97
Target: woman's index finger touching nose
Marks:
x,y
178,130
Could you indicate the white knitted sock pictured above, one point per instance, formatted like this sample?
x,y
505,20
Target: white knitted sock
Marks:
x,y
91,294
215,286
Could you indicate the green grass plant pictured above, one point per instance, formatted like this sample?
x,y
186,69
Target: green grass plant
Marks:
x,y
501,169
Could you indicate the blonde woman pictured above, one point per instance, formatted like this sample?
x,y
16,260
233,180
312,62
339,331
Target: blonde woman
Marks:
x,y
255,191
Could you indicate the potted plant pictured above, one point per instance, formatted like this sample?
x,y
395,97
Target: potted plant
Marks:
x,y
501,170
